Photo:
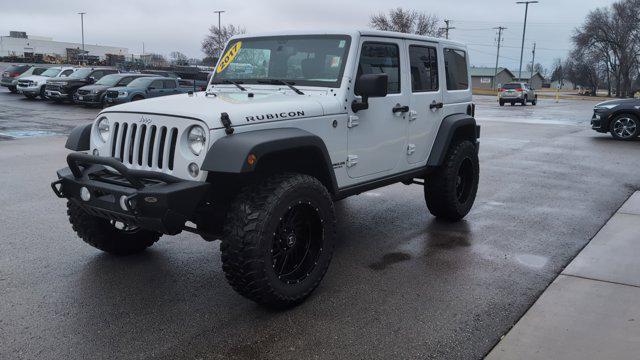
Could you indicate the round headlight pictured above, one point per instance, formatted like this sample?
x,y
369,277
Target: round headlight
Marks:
x,y
195,139
104,129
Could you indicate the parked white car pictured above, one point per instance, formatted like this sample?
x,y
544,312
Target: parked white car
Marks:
x,y
33,86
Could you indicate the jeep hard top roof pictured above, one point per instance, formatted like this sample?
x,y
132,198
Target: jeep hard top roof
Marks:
x,y
354,33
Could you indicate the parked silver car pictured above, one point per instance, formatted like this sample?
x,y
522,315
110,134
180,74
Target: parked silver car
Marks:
x,y
516,92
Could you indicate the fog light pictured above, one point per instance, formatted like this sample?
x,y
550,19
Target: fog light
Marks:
x,y
123,203
194,170
96,152
85,194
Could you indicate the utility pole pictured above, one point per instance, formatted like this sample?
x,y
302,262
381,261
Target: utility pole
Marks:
x,y
533,60
524,30
219,12
447,28
500,30
82,27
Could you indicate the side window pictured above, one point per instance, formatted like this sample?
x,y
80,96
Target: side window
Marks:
x,y
424,68
125,81
456,69
156,84
66,73
381,58
38,71
97,74
169,84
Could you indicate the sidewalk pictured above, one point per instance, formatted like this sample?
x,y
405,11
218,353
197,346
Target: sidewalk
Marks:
x,y
592,310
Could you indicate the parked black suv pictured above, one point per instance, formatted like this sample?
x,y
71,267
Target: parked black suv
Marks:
x,y
93,95
64,89
619,117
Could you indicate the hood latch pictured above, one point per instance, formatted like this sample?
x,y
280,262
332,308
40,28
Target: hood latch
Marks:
x,y
226,122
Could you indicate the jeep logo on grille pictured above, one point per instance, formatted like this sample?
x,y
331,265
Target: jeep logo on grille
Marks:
x,y
145,120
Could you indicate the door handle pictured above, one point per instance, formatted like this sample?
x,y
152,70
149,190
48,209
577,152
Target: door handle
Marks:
x,y
436,105
400,109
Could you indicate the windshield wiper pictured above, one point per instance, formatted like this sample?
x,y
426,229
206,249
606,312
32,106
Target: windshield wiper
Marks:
x,y
225,81
282,82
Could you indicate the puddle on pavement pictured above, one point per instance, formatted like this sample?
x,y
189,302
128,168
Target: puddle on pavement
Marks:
x,y
532,261
389,259
21,134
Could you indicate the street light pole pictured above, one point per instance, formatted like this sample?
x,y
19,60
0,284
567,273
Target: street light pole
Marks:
x,y
219,12
524,30
82,27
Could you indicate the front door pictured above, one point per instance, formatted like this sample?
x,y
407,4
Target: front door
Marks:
x,y
426,100
156,88
377,135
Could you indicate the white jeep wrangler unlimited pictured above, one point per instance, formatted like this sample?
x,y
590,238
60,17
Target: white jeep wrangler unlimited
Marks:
x,y
290,123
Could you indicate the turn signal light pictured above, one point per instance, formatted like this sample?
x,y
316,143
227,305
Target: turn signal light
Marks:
x,y
251,159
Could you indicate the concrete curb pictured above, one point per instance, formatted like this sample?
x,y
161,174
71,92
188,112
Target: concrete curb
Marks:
x,y
591,311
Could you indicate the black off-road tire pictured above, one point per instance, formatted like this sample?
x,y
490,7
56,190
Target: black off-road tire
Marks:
x,y
43,95
535,101
501,103
30,97
251,239
13,89
451,190
102,235
524,101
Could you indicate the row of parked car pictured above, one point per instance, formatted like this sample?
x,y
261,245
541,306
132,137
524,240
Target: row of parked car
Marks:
x,y
99,86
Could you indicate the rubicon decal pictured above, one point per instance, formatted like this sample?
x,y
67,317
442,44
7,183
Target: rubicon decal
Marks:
x,y
275,116
229,56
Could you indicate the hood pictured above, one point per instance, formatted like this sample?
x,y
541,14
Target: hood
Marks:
x,y
242,109
95,87
619,102
36,78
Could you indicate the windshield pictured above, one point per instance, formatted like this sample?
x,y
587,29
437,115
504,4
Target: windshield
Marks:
x,y
80,73
109,80
51,72
141,82
313,60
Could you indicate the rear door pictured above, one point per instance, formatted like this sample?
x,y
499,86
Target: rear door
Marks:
x,y
426,100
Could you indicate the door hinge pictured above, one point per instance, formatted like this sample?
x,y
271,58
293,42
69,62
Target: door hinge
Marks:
x,y
353,121
352,160
411,148
413,115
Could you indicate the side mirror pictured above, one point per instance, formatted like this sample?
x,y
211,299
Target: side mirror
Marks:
x,y
92,80
369,85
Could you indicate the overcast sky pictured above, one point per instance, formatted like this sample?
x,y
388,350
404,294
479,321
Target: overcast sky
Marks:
x,y
165,26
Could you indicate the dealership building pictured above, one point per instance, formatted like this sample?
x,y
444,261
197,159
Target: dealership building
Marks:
x,y
19,44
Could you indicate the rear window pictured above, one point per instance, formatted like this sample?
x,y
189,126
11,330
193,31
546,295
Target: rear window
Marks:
x,y
512,86
17,68
456,69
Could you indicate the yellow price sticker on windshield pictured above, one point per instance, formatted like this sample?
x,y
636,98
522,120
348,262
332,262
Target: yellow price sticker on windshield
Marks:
x,y
229,56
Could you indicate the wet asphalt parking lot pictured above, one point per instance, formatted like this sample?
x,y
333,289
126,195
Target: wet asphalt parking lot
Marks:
x,y
401,285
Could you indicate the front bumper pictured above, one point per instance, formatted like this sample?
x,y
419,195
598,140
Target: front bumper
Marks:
x,y
152,200
89,99
8,82
33,90
600,122
115,101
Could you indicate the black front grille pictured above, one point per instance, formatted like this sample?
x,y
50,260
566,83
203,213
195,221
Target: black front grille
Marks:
x,y
83,92
147,146
25,83
53,87
112,94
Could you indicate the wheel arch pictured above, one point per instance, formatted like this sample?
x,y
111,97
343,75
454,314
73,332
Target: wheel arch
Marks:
x,y
275,150
617,113
453,127
80,138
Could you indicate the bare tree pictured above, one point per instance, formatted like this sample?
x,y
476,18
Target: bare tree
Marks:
x,y
215,41
179,58
407,21
537,68
614,33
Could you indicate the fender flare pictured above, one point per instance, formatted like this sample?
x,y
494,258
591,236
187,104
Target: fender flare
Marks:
x,y
446,133
79,139
230,153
